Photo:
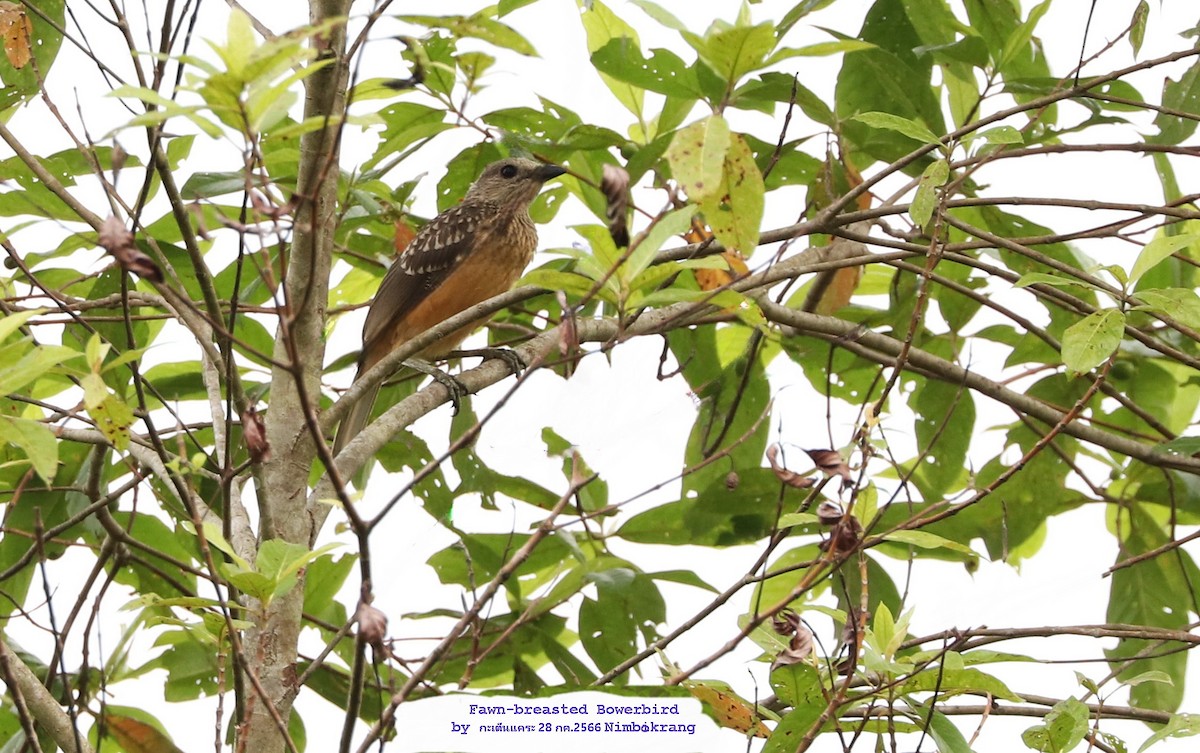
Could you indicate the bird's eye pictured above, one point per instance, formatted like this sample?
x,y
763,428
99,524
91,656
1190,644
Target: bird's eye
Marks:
x,y
509,171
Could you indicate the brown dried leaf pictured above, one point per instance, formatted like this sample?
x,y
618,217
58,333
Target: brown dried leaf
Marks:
x,y
118,241
830,513
791,478
800,649
831,463
785,622
404,235
845,535
372,625
254,433
136,736
16,28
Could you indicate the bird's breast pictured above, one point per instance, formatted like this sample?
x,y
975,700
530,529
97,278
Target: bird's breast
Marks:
x,y
498,256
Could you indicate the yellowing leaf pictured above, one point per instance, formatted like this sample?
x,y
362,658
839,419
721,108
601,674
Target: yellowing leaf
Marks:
x,y
728,709
137,736
113,418
735,210
16,29
697,155
712,279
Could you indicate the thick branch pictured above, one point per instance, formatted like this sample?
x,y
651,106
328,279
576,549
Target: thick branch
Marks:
x,y
48,713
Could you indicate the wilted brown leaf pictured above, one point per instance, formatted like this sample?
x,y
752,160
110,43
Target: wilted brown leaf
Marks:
x,y
829,513
833,288
118,241
404,235
16,28
136,736
831,464
801,645
255,435
372,625
791,478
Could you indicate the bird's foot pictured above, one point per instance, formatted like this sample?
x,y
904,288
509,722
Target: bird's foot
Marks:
x,y
457,389
516,364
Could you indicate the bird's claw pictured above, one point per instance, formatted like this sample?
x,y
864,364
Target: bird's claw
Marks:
x,y
456,389
516,364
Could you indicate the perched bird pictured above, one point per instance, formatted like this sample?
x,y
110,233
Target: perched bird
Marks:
x,y
467,254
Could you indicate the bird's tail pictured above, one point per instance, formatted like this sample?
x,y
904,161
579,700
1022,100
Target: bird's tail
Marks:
x,y
355,420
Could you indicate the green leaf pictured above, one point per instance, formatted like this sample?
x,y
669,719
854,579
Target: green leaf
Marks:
x,y
664,72
32,366
1089,343
923,204
697,156
280,563
1162,247
660,14
1064,728
1181,96
820,49
12,322
799,11
1043,278
948,682
792,728
927,540
1137,28
1003,135
602,26
478,26
1154,592
1181,304
906,126
38,442
779,87
797,685
504,7
734,51
1180,445
239,42
605,256
406,123
671,224
735,210
1179,725
1020,38
945,734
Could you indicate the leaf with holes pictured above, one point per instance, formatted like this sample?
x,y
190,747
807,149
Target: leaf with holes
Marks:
x,y
1088,343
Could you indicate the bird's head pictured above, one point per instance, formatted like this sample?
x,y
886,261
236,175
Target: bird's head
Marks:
x,y
513,181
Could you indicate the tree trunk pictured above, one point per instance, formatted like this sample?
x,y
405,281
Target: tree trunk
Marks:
x,y
271,647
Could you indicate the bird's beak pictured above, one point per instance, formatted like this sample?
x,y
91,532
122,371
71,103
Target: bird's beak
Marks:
x,y
546,172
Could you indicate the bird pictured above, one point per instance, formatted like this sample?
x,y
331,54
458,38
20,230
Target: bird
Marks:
x,y
469,253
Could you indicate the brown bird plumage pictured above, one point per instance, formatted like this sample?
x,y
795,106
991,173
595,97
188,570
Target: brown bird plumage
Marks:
x,y
464,256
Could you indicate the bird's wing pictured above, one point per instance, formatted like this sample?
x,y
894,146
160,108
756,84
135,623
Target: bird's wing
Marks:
x,y
425,264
